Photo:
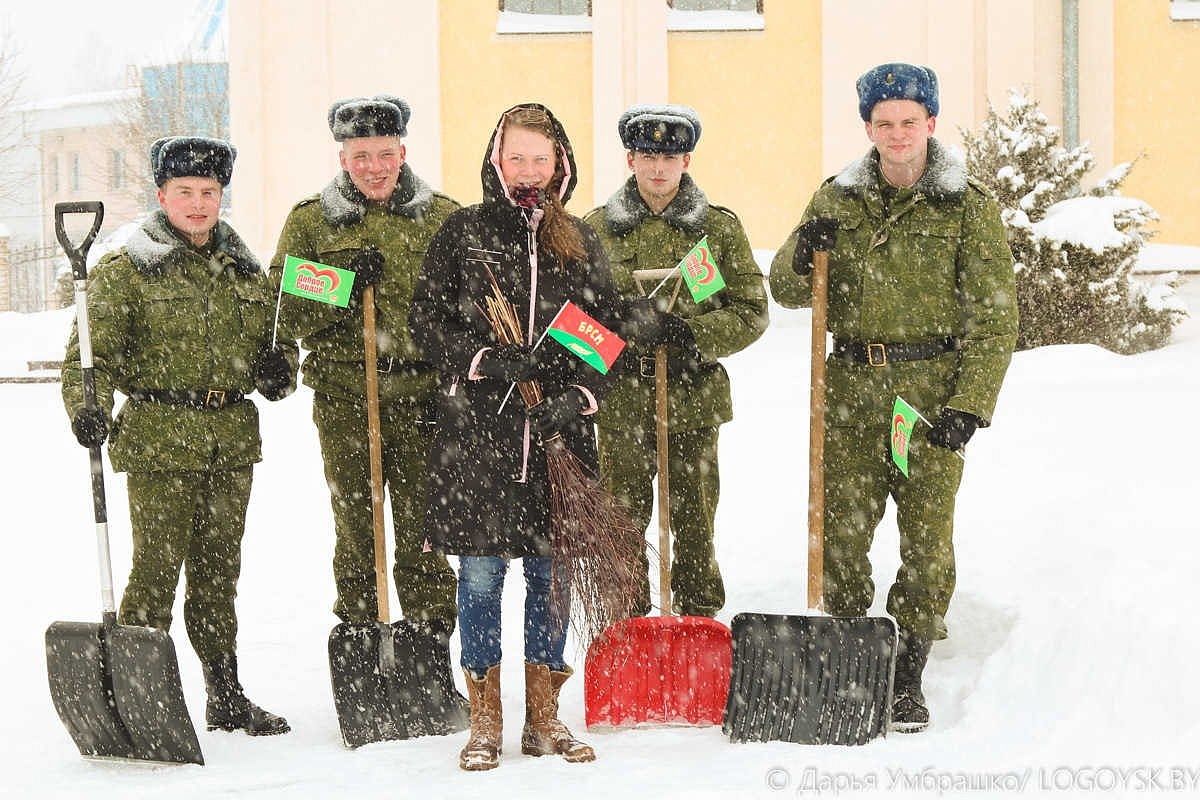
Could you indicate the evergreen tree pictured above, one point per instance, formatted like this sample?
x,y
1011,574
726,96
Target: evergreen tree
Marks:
x,y
1074,250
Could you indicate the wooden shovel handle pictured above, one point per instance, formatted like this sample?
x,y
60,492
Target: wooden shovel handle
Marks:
x,y
375,448
664,496
816,433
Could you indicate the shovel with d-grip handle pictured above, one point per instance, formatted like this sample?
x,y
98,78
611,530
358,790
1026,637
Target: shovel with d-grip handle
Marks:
x,y
671,670
115,687
390,681
812,679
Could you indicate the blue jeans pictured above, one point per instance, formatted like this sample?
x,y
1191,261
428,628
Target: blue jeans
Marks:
x,y
480,584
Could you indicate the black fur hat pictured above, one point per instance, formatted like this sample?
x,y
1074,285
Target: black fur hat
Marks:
x,y
897,81
659,129
192,157
357,117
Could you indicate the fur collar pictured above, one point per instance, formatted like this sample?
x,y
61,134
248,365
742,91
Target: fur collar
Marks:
x,y
945,176
156,245
687,210
343,204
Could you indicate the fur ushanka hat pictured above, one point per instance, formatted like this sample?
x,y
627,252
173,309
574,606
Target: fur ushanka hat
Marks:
x,y
192,157
359,117
659,129
897,81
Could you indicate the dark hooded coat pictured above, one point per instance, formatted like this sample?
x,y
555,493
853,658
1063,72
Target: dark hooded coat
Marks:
x,y
488,491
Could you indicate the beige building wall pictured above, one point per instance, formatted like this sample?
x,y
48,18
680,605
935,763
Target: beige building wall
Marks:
x,y
485,73
778,105
1154,108
759,96
289,60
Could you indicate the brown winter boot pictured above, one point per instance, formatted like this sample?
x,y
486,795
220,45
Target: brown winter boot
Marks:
x,y
483,748
544,733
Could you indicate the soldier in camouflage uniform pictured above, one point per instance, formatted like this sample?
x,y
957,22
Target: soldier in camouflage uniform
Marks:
x,y
181,324
921,305
375,218
652,222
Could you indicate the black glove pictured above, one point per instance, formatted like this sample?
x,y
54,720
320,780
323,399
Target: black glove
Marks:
x,y
675,331
642,321
367,267
90,426
274,375
509,362
953,429
819,233
556,411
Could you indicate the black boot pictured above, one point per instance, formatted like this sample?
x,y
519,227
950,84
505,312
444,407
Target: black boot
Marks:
x,y
909,712
228,709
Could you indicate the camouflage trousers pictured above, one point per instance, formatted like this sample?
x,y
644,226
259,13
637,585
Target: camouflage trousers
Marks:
x,y
628,465
194,521
425,583
859,478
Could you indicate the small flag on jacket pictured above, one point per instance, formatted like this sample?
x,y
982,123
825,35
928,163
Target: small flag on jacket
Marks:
x,y
585,337
700,272
904,417
319,282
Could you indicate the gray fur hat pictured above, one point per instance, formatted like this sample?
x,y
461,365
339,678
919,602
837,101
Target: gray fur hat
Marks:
x,y
358,117
897,81
659,129
192,157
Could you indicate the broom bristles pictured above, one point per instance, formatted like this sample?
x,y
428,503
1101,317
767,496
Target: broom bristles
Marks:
x,y
594,545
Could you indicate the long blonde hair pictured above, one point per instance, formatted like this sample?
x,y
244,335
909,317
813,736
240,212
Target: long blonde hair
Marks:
x,y
556,231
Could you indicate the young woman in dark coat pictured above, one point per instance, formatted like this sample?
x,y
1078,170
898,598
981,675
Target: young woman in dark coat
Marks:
x,y
489,495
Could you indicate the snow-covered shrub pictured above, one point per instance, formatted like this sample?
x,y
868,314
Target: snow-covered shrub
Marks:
x,y
1074,250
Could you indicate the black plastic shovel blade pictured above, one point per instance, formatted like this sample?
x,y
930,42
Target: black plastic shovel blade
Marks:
x,y
81,688
117,691
149,694
392,687
810,680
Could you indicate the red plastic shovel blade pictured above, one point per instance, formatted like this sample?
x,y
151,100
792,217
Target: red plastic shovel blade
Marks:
x,y
658,670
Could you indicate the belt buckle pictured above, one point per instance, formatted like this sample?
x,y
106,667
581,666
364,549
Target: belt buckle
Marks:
x,y
215,399
646,366
882,350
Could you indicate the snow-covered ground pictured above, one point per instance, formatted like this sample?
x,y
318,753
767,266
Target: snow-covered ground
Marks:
x,y
1071,667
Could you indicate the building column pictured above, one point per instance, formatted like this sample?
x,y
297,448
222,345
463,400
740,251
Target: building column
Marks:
x,y
629,65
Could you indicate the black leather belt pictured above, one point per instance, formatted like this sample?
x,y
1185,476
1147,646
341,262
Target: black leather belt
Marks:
x,y
206,399
879,354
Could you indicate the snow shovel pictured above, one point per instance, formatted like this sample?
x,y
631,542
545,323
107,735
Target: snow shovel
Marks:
x,y
390,681
115,687
812,679
667,670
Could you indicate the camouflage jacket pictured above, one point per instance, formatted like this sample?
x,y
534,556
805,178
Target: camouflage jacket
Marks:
x,y
916,265
164,315
331,228
722,324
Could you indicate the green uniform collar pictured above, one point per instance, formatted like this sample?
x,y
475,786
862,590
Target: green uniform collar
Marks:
x,y
156,245
343,204
945,176
688,210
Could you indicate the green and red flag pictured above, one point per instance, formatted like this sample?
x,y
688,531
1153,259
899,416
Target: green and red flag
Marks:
x,y
700,272
585,337
315,281
904,417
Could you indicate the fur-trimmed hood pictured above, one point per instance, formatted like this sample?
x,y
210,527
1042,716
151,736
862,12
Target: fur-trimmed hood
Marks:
x,y
156,245
343,204
945,175
688,210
